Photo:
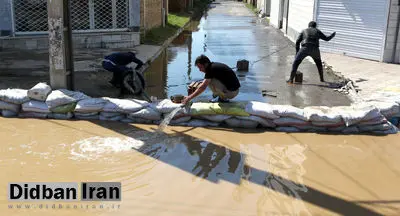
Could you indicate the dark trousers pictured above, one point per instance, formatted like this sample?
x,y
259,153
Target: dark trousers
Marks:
x,y
118,72
314,53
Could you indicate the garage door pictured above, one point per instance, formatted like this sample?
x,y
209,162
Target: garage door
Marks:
x,y
360,26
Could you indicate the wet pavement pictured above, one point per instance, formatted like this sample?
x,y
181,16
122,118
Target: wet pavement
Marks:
x,y
193,171
227,33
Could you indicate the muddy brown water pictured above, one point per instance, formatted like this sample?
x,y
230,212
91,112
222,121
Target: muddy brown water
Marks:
x,y
193,171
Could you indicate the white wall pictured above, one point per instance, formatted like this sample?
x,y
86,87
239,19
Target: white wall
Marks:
x,y
274,17
301,12
391,35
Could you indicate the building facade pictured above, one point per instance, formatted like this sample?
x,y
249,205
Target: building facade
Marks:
x,y
366,29
95,23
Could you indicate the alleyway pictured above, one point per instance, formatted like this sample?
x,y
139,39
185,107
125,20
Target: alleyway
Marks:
x,y
230,32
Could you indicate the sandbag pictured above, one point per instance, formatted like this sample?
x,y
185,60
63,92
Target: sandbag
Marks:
x,y
35,106
379,127
376,121
322,114
110,114
39,92
311,128
85,114
289,111
165,106
60,116
351,130
10,106
147,113
392,130
216,118
388,109
328,124
266,123
66,108
90,105
289,121
124,105
180,120
91,117
352,115
15,96
115,118
32,115
240,123
137,121
9,113
261,109
199,123
58,98
287,129
232,109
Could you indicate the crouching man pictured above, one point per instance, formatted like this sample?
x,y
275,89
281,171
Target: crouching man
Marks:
x,y
221,79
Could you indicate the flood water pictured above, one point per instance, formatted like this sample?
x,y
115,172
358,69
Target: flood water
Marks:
x,y
193,171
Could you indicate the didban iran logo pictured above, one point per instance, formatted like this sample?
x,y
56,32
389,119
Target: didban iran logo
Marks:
x,y
64,191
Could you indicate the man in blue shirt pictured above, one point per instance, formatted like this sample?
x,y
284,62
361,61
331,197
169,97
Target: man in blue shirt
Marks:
x,y
117,63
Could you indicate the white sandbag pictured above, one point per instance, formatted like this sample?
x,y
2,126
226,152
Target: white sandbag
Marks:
x,y
115,118
165,106
266,123
86,114
380,127
90,105
10,106
289,111
376,121
322,114
388,109
77,95
39,92
137,121
58,98
9,113
357,113
351,130
60,116
199,123
311,128
146,113
35,106
287,129
328,124
32,115
216,118
239,123
289,121
124,105
15,96
392,130
110,114
92,117
180,120
261,109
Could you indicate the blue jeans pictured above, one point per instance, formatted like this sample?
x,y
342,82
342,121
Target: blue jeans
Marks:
x,y
117,70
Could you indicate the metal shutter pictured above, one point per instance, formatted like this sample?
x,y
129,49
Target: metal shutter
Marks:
x,y
360,26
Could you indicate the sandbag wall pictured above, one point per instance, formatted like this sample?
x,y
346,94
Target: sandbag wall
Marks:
x,y
373,116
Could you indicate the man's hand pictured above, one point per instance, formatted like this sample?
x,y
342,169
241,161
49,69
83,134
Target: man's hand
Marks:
x,y
185,100
333,34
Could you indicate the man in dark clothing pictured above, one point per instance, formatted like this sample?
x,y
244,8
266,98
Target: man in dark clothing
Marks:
x,y
309,40
221,79
117,63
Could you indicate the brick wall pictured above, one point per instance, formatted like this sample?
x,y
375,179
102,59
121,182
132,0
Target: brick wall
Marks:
x,y
5,17
151,13
391,34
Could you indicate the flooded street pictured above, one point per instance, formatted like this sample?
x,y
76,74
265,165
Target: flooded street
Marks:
x,y
230,32
188,171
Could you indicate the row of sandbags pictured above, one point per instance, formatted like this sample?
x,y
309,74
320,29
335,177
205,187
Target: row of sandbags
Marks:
x,y
42,102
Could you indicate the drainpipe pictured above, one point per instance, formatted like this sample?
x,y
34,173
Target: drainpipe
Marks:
x,y
397,34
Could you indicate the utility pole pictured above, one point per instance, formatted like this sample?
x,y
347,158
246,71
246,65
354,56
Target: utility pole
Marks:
x,y
60,45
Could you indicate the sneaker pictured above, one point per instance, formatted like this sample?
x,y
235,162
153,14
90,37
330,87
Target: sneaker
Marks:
x,y
322,80
289,81
223,100
214,100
